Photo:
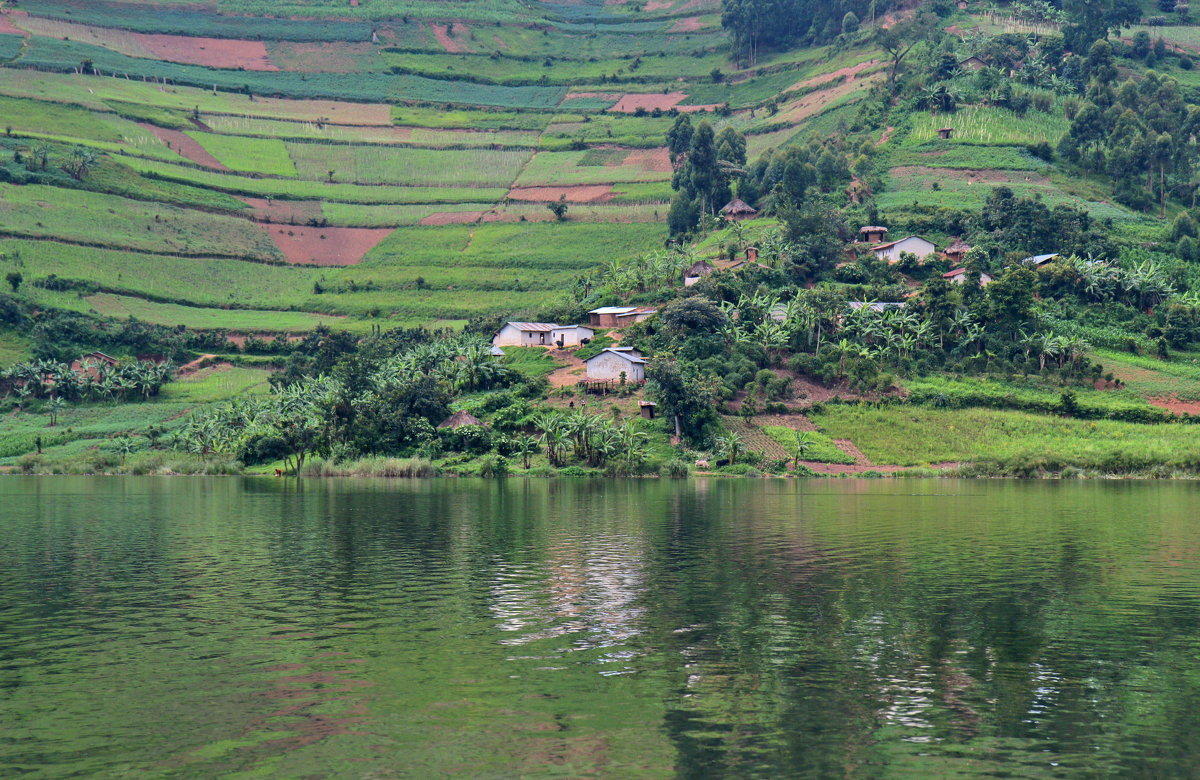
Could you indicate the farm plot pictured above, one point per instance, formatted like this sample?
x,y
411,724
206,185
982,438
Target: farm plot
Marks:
x,y
583,212
95,219
989,127
200,281
345,57
419,167
944,154
326,246
177,21
66,56
568,168
247,155
241,320
354,215
968,189
209,52
312,190
355,134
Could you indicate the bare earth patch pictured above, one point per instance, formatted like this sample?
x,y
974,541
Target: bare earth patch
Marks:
x,y
452,218
321,57
570,374
657,160
690,24
1175,406
657,5
327,246
815,102
8,28
848,72
442,33
283,211
185,145
582,193
209,52
648,101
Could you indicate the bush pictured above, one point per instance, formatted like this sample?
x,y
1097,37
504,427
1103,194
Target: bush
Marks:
x,y
493,466
676,468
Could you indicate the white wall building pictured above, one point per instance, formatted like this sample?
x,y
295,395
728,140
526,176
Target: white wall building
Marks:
x,y
914,244
610,363
541,334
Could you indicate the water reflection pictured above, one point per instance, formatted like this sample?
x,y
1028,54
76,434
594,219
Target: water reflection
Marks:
x,y
865,629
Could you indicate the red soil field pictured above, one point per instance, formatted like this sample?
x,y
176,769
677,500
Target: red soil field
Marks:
x,y
185,145
327,246
210,52
7,27
648,100
1175,406
582,193
442,33
690,24
657,160
452,217
283,211
701,107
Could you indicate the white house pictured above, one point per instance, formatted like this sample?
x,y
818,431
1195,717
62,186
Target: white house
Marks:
x,y
571,335
614,361
541,334
959,275
914,244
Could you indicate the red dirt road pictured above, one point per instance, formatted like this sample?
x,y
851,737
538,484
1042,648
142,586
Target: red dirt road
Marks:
x,y
326,246
185,145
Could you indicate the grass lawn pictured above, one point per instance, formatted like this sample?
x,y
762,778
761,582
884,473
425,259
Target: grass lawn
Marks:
x,y
911,436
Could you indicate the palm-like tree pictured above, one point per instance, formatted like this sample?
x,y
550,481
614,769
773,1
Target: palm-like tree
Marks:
x,y
802,442
730,445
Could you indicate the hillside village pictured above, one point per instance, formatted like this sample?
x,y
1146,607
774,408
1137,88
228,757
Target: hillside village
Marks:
x,y
685,238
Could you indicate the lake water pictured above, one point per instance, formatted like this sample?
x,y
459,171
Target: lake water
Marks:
x,y
268,628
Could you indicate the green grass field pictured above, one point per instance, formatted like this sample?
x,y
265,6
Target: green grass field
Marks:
x,y
239,320
248,155
406,166
85,217
911,436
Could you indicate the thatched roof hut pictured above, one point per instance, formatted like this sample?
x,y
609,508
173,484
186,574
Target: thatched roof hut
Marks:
x,y
739,209
459,419
957,250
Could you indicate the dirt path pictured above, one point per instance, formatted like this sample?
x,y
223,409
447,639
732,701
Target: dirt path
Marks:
x,y
569,374
887,135
195,365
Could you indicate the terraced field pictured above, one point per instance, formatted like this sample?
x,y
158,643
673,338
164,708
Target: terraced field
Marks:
x,y
272,166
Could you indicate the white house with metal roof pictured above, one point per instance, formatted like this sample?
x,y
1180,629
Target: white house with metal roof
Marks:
x,y
541,334
614,361
890,251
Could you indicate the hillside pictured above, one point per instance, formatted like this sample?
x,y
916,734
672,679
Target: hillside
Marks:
x,y
383,156
252,176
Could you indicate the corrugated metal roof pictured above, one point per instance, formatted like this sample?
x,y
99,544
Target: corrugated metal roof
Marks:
x,y
534,326
612,310
627,353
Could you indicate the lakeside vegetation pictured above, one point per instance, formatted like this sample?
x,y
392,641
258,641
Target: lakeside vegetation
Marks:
x,y
383,180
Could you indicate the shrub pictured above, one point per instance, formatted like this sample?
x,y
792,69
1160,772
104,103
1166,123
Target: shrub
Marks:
x,y
677,468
